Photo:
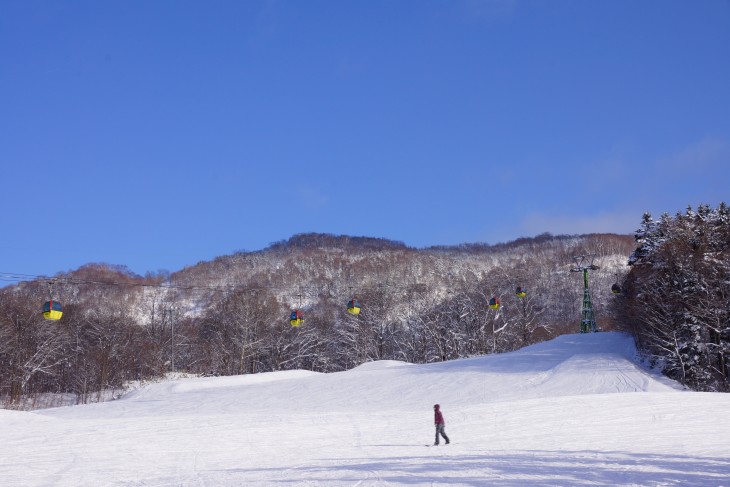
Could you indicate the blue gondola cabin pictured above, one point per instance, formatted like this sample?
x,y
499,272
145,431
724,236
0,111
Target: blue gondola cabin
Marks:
x,y
52,310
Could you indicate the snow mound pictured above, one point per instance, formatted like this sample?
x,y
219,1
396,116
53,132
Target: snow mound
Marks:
x,y
191,385
187,385
570,365
379,365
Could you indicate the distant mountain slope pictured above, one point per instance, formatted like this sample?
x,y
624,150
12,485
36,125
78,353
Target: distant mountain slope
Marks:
x,y
230,316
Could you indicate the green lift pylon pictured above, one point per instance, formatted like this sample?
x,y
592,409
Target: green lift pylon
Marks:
x,y
588,320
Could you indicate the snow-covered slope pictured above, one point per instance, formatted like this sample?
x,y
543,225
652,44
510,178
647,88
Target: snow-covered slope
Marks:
x,y
577,410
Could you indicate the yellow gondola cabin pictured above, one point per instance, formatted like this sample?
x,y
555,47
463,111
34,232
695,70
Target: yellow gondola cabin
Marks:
x,y
52,310
296,318
353,307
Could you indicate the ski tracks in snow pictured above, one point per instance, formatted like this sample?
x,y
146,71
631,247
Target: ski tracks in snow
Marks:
x,y
575,411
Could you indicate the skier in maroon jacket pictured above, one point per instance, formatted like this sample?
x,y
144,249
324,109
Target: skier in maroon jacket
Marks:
x,y
438,419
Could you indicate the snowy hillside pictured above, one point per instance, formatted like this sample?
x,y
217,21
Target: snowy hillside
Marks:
x,y
577,410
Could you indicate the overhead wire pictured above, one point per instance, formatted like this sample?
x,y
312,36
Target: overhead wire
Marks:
x,y
21,278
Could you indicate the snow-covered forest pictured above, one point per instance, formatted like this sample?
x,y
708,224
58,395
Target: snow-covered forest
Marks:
x,y
676,299
231,315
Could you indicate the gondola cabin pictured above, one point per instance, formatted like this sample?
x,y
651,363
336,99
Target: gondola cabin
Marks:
x,y
520,292
296,318
52,310
494,302
616,289
353,307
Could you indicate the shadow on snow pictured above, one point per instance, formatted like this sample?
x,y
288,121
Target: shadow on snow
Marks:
x,y
509,469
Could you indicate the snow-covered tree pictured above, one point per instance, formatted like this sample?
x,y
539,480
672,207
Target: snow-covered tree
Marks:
x,y
676,296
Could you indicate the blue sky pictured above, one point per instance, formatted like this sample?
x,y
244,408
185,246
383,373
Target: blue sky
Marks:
x,y
159,134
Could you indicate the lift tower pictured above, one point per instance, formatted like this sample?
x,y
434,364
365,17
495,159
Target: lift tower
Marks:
x,y
584,263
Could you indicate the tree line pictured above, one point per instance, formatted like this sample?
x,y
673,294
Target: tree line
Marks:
x,y
230,315
676,299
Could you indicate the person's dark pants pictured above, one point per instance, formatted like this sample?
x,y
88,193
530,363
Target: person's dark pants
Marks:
x,y
440,430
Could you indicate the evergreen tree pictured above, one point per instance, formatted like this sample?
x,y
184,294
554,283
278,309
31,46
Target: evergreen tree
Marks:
x,y
676,295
